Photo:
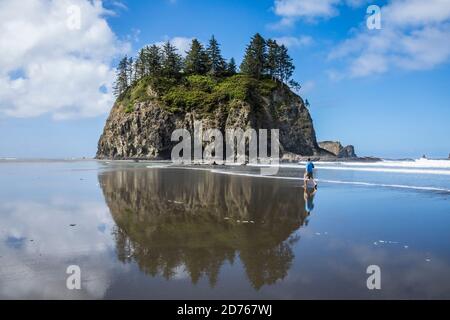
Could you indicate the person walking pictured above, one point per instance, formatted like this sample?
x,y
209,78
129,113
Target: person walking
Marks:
x,y
309,169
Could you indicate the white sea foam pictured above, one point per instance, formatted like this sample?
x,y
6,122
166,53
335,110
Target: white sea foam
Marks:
x,y
158,166
419,163
338,181
391,170
421,166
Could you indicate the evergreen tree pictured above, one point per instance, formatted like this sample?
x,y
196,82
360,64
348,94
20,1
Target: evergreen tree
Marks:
x,y
285,65
121,83
255,57
261,57
139,66
130,71
273,54
196,61
152,60
294,85
216,63
231,67
172,62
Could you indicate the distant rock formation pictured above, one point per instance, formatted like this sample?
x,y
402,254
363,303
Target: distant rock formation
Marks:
x,y
347,152
336,148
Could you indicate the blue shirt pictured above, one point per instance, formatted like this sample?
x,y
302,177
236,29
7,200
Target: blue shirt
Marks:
x,y
309,167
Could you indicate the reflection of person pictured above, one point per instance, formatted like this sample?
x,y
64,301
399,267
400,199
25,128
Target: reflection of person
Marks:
x,y
309,199
310,186
310,183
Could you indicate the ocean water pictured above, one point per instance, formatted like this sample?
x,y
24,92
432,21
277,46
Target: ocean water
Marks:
x,y
155,230
421,174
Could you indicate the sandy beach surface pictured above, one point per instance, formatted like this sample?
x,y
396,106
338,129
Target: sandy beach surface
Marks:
x,y
153,230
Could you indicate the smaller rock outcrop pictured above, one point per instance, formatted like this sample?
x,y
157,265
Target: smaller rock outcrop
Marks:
x,y
347,152
336,148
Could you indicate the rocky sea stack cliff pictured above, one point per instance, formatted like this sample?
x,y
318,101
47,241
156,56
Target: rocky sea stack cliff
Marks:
x,y
160,91
145,115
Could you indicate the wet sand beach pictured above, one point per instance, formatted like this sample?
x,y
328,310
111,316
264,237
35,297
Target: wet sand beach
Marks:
x,y
154,231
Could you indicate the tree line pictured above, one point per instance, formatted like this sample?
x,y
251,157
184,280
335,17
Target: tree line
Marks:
x,y
262,58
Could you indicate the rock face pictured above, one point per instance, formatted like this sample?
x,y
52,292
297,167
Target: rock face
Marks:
x,y
145,131
347,152
336,148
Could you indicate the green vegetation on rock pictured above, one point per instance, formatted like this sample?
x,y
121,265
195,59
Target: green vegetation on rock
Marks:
x,y
202,93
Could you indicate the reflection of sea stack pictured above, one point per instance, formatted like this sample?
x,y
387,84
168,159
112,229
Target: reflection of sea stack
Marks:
x,y
167,218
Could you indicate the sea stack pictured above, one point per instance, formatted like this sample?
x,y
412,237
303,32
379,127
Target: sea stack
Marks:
x,y
145,115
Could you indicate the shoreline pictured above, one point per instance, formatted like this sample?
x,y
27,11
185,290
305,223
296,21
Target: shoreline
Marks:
x,y
283,160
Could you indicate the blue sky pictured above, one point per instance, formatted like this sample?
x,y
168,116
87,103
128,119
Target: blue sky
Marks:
x,y
384,91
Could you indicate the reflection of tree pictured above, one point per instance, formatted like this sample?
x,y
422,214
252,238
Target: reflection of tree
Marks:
x,y
172,220
267,266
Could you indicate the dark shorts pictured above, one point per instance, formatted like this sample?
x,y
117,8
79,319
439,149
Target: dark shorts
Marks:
x,y
309,175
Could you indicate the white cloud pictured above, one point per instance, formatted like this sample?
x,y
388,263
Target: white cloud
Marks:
x,y
49,67
118,4
307,87
417,12
292,10
35,269
415,35
181,43
292,42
